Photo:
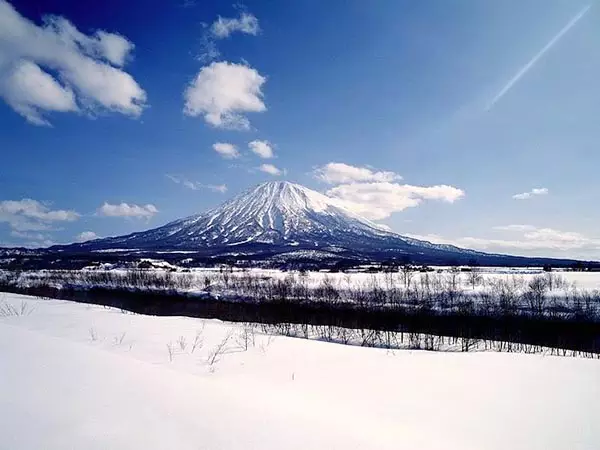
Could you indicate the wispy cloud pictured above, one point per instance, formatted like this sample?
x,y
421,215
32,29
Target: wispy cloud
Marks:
x,y
264,149
271,169
226,150
335,172
224,27
527,240
31,215
195,185
523,70
532,193
86,236
127,210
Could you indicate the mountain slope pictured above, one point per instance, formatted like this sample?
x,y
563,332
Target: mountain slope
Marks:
x,y
274,214
289,220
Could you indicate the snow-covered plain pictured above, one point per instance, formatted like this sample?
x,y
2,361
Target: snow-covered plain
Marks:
x,y
84,376
587,281
582,280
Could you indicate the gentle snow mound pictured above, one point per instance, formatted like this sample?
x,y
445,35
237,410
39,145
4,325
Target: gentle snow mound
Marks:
x,y
82,376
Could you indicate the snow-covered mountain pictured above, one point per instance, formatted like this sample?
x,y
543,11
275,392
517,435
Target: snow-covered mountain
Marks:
x,y
284,220
277,213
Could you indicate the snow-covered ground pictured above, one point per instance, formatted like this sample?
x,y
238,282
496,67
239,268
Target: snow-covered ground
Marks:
x,y
84,376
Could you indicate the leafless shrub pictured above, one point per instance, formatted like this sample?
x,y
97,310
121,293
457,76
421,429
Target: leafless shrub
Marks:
x,y
263,346
181,341
171,351
198,339
118,340
215,354
93,334
9,310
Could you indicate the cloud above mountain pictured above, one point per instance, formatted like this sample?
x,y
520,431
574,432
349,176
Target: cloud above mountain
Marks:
x,y
376,194
271,169
264,149
337,173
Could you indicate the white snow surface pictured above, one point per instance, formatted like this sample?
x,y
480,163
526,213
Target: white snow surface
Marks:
x,y
83,376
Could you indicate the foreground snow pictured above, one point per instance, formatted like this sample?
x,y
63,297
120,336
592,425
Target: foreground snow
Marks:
x,y
81,376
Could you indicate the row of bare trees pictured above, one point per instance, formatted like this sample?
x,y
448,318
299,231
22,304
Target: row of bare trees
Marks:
x,y
425,310
544,295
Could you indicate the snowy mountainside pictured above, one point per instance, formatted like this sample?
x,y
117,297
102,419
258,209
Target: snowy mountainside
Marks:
x,y
273,213
283,218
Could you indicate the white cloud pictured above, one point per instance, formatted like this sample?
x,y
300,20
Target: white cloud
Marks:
x,y
86,236
379,200
114,47
337,173
527,240
532,193
55,67
195,185
28,89
224,26
226,150
127,210
31,215
222,92
264,149
270,169
222,188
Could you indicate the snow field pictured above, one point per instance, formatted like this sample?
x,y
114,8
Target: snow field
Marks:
x,y
85,376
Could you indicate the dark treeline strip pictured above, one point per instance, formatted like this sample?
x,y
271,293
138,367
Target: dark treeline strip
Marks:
x,y
291,317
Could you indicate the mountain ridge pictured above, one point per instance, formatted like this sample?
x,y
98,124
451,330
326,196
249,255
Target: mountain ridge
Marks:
x,y
276,213
283,221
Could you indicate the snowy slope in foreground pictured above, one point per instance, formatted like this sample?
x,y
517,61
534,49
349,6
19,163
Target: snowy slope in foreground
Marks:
x,y
79,376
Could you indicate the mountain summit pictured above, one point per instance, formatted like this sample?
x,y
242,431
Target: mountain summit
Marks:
x,y
286,220
275,213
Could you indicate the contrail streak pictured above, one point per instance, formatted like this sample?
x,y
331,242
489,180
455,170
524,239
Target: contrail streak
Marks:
x,y
535,59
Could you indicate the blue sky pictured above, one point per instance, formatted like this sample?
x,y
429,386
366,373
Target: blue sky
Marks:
x,y
428,117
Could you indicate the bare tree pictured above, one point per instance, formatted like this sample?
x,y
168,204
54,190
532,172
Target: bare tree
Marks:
x,y
536,294
245,337
474,277
407,274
